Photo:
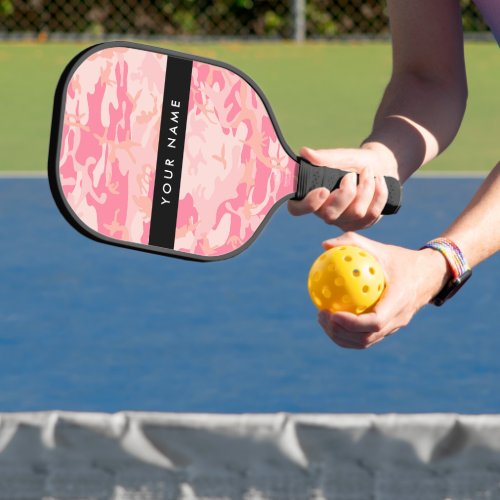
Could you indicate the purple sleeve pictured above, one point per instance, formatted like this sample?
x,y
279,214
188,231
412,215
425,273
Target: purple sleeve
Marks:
x,y
490,9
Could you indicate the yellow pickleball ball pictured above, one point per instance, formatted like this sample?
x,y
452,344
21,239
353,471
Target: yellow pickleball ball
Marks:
x,y
346,278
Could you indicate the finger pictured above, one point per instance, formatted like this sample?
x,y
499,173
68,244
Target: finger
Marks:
x,y
366,208
385,318
362,340
373,342
338,201
360,224
338,157
311,203
376,338
380,196
362,324
338,334
365,191
353,339
393,332
340,339
348,338
348,238
392,311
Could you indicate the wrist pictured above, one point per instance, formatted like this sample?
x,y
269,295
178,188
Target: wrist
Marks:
x,y
437,272
386,156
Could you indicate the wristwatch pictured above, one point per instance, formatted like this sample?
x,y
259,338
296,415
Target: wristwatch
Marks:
x,y
459,267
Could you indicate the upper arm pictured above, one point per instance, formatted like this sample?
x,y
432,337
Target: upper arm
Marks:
x,y
427,40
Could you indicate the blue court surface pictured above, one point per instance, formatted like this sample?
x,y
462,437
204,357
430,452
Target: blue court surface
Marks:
x,y
91,327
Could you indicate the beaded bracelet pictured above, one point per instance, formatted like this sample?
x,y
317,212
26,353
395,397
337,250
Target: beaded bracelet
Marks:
x,y
452,254
460,269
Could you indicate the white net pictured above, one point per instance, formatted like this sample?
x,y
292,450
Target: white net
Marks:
x,y
154,456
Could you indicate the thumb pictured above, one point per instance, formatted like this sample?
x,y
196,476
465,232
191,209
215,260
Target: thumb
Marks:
x,y
324,157
352,159
349,238
312,155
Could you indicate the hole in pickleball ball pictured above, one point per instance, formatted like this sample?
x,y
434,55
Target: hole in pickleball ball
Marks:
x,y
317,276
362,254
339,281
372,270
356,273
379,287
348,258
346,299
327,293
336,306
317,300
360,309
330,268
366,289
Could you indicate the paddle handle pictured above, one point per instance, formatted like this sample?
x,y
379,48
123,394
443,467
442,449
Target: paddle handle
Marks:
x,y
311,177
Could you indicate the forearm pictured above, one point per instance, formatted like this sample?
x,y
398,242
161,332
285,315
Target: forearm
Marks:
x,y
424,103
477,230
416,120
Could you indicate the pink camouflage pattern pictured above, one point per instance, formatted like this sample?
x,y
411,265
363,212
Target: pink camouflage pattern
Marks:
x,y
110,140
234,167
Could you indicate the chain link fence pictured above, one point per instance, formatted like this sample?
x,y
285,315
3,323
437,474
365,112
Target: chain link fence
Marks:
x,y
286,19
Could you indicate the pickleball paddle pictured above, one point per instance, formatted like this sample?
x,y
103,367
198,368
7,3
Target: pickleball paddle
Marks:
x,y
171,153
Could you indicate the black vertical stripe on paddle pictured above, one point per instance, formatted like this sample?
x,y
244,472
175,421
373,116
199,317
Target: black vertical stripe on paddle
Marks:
x,y
170,152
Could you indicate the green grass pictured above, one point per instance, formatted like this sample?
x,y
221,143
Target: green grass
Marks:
x,y
323,95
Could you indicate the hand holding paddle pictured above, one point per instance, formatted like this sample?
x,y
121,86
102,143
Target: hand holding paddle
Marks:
x,y
360,200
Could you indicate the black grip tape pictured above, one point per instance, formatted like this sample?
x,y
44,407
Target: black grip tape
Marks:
x,y
312,177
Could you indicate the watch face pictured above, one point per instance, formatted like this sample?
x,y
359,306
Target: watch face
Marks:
x,y
451,288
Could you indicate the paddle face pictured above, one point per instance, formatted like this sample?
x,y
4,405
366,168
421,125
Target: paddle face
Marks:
x,y
165,152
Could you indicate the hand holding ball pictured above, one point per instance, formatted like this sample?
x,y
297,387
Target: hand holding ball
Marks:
x,y
346,278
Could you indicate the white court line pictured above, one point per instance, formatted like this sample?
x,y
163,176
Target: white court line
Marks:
x,y
23,174
454,174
